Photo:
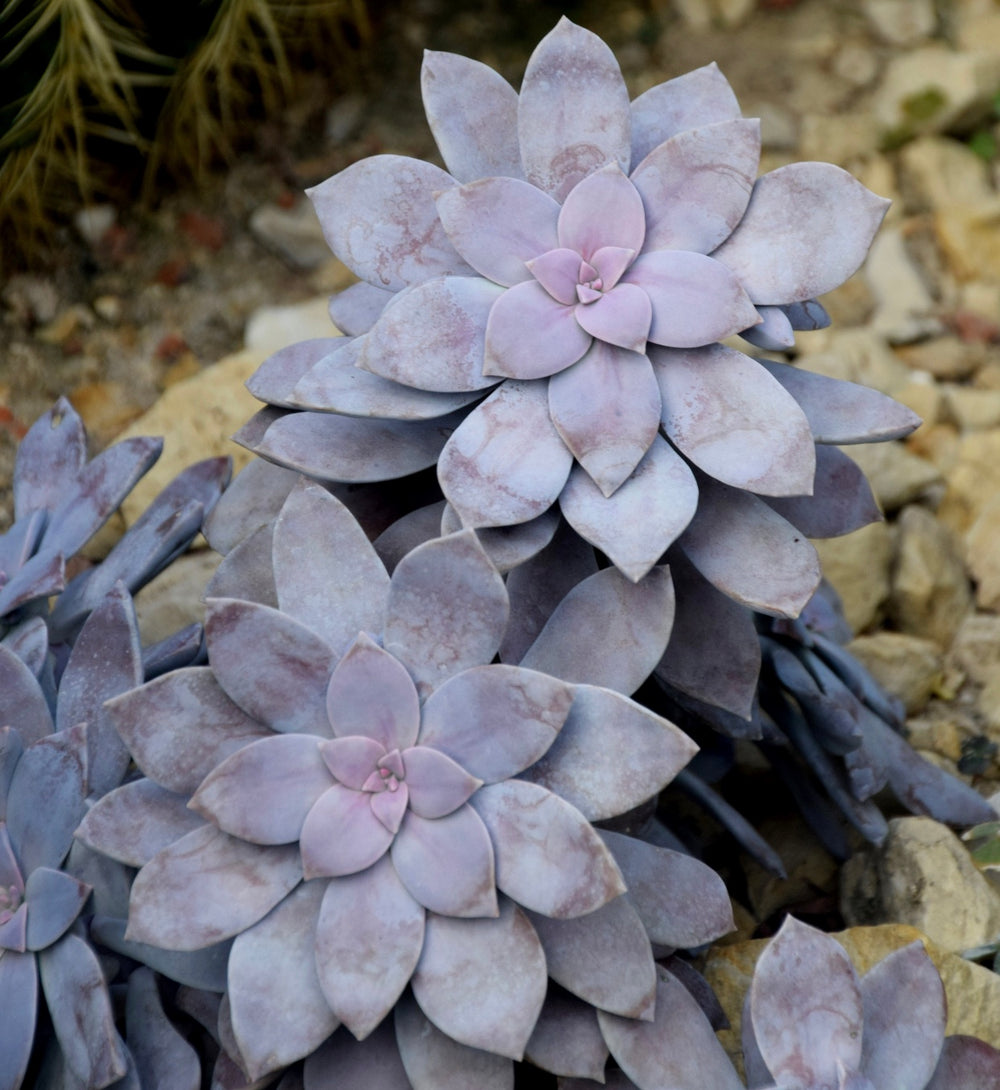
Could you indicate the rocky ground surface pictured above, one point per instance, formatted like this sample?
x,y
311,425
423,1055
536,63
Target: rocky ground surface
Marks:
x,y
155,319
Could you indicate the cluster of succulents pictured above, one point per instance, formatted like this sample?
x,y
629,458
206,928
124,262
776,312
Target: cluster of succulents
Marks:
x,y
390,819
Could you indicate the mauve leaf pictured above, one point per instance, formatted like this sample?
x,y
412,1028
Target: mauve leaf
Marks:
x,y
803,1031
567,1039
636,524
774,333
498,225
206,887
180,726
573,111
338,384
378,217
341,834
49,459
438,785
603,209
14,931
39,577
696,185
408,532
29,640
648,751
648,1052
137,820
22,702
620,317
203,969
699,98
482,981
317,543
548,856
447,864
530,334
607,631
78,1001
806,229
682,902
495,721
368,938
713,653
353,449
106,661
278,375
54,900
966,1063
754,437
21,540
432,336
251,501
508,546
344,1062
45,799
447,609
603,957
750,552
905,1011
101,486
246,572
371,694
285,769
278,1011
161,1055
285,656
607,407
505,463
843,412
11,748
19,986
842,498
472,112
356,309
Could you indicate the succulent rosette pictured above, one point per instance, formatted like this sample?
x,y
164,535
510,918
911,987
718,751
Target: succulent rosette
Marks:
x,y
542,321
427,818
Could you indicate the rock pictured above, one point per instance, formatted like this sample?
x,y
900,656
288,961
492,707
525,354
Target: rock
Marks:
x,y
944,358
702,14
901,22
972,409
936,89
930,591
972,992
977,25
905,666
897,476
33,299
937,734
838,138
983,555
988,704
969,236
857,63
923,396
271,328
973,479
810,868
857,355
975,650
938,171
922,876
779,127
904,310
293,233
94,221
858,567
173,599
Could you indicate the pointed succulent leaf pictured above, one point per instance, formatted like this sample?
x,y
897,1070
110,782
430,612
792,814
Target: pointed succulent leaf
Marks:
x,y
369,936
18,977
607,631
495,721
482,981
137,820
284,656
247,572
531,331
842,498
39,577
22,702
802,1034
843,412
681,901
620,317
437,784
54,900
447,609
647,1051
408,532
636,524
356,309
607,410
750,552
548,856
447,864
180,726
49,460
774,333
285,769
342,1061
573,111
371,694
277,1009
966,1063
648,751
251,501
567,1039
208,886
755,438
317,543
509,546
378,217
603,209
11,748
472,112
19,543
341,834
279,374
505,463
806,229
692,201
206,968
162,1057
696,99
77,997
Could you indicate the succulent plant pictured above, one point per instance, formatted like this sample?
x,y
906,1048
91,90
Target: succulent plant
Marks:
x,y
428,819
